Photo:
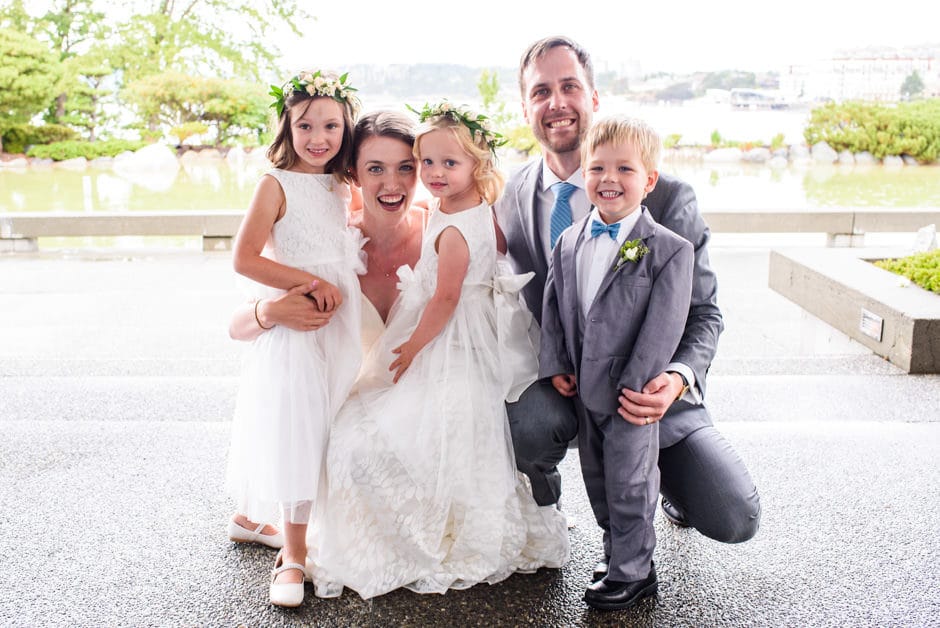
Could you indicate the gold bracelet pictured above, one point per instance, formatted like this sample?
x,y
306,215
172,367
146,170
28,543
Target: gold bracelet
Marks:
x,y
258,318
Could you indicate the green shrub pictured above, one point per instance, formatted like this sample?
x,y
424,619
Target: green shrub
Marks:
x,y
187,130
19,136
910,128
60,151
921,268
672,140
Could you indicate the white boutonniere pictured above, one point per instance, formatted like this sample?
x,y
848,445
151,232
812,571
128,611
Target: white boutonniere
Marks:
x,y
631,251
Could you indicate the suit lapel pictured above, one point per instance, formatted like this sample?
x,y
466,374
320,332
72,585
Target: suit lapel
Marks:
x,y
643,230
528,217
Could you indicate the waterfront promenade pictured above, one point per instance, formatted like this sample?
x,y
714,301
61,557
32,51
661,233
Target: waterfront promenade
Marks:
x,y
117,383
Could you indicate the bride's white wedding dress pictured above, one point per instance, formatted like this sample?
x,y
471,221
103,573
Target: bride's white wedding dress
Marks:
x,y
423,489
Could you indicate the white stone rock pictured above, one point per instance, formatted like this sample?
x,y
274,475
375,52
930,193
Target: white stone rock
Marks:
x,y
798,150
777,162
865,158
847,158
723,155
17,163
910,161
149,159
188,158
823,153
209,154
153,167
757,155
892,161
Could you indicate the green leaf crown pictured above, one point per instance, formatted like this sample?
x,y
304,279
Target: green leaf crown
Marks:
x,y
316,83
477,124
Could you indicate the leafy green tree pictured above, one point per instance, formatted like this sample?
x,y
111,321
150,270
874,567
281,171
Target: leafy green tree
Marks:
x,y
86,93
28,77
912,86
231,108
196,37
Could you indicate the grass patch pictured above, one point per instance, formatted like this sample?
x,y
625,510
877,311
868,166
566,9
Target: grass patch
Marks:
x,y
921,268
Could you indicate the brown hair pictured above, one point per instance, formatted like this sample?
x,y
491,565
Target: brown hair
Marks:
x,y
281,152
542,46
385,123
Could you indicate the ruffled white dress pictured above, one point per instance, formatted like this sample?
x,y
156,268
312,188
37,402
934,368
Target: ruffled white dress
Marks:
x,y
423,489
293,383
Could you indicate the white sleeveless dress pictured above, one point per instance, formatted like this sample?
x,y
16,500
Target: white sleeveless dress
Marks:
x,y
293,383
423,489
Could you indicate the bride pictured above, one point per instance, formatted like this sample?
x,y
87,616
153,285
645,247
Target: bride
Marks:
x,y
384,527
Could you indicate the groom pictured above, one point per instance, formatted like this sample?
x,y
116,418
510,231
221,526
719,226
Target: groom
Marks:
x,y
704,483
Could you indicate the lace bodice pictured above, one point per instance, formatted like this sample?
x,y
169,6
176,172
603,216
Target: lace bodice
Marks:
x,y
313,229
476,226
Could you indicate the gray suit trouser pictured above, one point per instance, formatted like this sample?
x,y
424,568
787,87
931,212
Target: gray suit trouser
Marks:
x,y
618,463
701,474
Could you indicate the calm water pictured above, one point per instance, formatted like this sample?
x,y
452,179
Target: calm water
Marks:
x,y
208,185
221,186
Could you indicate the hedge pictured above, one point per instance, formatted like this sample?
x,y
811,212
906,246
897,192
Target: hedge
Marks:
x,y
60,151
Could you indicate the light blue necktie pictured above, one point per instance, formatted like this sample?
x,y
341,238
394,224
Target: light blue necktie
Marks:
x,y
598,228
561,210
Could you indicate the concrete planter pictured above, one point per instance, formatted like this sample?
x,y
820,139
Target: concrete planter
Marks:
x,y
896,320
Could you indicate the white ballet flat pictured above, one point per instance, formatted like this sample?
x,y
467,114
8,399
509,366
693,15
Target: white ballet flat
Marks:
x,y
240,534
290,594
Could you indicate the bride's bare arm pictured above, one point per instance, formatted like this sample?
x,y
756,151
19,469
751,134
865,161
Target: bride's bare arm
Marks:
x,y
293,309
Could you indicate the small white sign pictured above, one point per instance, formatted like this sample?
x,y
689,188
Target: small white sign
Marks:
x,y
871,325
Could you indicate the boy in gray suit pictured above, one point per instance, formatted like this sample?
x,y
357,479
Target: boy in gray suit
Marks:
x,y
615,306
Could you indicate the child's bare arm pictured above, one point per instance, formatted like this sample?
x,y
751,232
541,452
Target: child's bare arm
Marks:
x,y
453,261
267,207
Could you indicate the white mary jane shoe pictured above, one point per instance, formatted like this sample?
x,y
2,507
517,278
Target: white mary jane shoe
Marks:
x,y
240,534
290,594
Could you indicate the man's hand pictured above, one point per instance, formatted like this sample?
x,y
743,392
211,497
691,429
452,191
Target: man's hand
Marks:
x,y
650,404
566,384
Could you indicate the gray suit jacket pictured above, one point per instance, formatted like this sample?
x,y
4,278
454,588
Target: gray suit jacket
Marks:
x,y
633,325
672,204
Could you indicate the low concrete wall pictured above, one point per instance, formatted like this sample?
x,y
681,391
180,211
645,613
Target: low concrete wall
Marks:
x,y
216,228
872,306
843,227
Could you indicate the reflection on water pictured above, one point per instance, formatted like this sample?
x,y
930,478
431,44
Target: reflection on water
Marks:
x,y
219,185
212,185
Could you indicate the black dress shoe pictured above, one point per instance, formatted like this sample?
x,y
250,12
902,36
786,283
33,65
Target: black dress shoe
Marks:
x,y
601,569
673,514
610,595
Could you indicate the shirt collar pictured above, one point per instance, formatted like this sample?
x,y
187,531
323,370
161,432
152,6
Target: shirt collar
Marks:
x,y
549,178
627,223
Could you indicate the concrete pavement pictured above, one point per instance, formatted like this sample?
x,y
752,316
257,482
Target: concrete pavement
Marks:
x,y
117,382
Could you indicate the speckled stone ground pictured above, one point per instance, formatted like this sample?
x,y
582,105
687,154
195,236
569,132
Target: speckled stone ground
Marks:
x,y
117,381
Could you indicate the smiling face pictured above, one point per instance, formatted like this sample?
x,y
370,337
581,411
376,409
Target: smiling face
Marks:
x,y
317,133
387,173
558,100
447,170
616,179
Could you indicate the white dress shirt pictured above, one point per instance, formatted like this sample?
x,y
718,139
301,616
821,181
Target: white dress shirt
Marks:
x,y
597,256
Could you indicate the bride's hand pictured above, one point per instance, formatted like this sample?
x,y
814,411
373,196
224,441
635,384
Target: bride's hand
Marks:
x,y
295,310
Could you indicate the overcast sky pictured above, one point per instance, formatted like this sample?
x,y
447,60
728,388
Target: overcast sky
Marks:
x,y
671,35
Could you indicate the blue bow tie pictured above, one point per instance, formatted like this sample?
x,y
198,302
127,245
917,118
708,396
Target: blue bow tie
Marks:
x,y
598,228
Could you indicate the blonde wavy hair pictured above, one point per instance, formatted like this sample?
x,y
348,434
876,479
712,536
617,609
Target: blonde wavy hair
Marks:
x,y
487,177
